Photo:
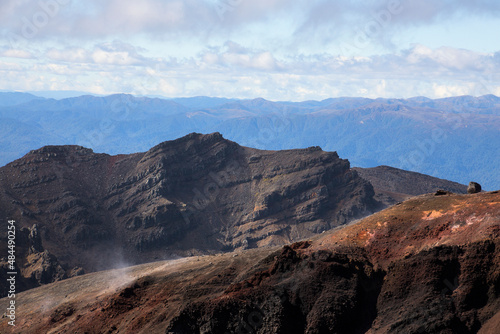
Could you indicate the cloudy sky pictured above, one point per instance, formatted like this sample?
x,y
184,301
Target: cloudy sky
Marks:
x,y
275,49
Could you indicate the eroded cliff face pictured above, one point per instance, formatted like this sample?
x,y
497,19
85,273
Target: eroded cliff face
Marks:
x,y
197,194
36,265
428,265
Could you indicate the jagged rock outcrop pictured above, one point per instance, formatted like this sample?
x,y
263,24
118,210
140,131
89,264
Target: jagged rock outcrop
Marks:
x,y
34,264
35,240
196,194
42,268
474,188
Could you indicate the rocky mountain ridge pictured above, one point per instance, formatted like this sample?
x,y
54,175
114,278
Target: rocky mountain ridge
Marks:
x,y
194,195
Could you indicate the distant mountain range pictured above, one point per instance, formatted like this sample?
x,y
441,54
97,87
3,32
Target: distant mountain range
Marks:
x,y
455,138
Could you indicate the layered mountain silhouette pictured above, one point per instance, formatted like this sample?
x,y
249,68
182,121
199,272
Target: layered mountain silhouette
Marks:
x,y
78,211
450,138
427,265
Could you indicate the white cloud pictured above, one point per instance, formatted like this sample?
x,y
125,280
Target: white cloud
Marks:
x,y
72,55
9,67
235,71
116,53
451,90
128,17
449,57
113,58
320,20
16,53
276,49
260,61
236,56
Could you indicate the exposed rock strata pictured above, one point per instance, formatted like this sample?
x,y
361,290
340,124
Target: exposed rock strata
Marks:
x,y
197,194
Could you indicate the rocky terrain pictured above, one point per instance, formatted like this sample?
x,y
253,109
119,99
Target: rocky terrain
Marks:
x,y
428,265
78,211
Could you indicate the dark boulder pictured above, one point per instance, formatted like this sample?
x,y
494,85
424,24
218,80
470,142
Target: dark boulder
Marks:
x,y
474,188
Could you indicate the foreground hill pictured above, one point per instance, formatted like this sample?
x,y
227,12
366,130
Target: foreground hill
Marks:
x,y
77,211
453,138
428,265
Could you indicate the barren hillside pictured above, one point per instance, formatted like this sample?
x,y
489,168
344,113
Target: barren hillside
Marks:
x,y
428,265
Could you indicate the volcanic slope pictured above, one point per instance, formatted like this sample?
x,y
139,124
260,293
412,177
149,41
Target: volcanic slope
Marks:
x,y
428,265
77,211
394,185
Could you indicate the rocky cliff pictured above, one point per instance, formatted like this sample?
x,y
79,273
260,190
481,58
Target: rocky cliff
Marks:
x,y
194,195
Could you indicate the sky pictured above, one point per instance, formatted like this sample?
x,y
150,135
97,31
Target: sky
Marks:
x,y
275,49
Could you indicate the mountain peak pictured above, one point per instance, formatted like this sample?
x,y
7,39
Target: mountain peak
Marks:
x,y
200,193
61,149
191,138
